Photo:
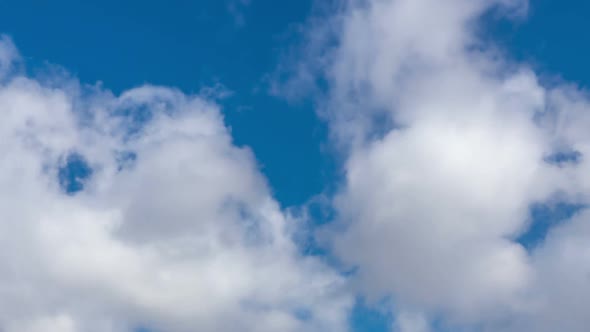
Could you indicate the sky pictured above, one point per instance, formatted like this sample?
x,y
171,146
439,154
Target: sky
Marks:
x,y
337,165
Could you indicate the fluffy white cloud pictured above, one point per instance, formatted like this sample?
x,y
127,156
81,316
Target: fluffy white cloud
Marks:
x,y
175,229
446,145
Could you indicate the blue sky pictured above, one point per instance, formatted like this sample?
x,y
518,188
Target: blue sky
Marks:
x,y
237,47
543,36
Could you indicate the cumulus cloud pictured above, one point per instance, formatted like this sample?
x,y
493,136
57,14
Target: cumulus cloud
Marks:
x,y
448,144
171,227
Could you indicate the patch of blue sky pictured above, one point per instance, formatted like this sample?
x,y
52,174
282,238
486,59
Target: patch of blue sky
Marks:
x,y
544,39
370,317
543,218
73,173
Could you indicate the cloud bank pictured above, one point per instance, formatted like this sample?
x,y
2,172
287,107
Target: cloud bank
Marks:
x,y
447,145
136,210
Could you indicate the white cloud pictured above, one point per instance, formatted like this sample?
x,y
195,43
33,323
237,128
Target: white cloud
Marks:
x,y
446,144
409,322
183,237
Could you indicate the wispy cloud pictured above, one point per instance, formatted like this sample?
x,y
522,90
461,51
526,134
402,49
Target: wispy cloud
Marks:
x,y
236,9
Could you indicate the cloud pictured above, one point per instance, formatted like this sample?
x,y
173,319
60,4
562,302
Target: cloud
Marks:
x,y
447,145
236,9
8,55
170,227
408,322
